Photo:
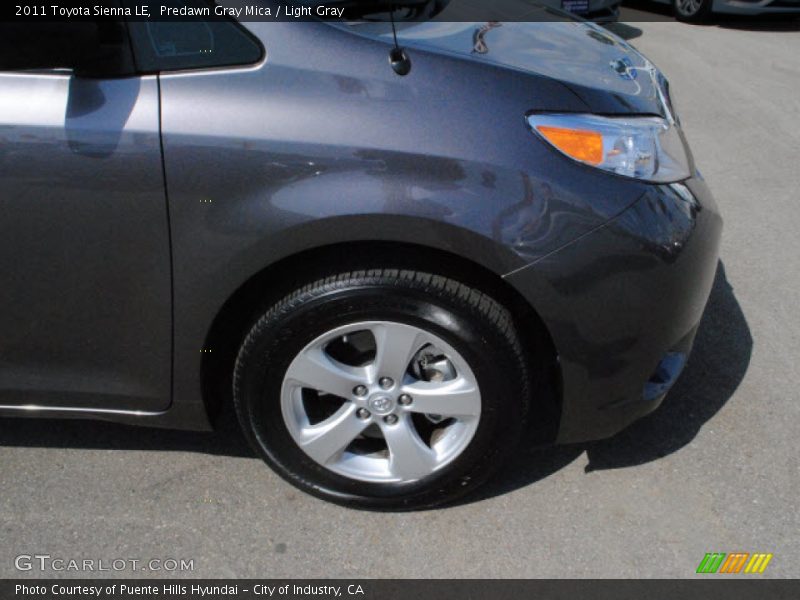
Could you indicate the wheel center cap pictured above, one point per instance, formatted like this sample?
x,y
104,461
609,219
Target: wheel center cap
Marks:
x,y
381,404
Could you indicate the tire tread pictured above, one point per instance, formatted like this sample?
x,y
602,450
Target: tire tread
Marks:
x,y
469,299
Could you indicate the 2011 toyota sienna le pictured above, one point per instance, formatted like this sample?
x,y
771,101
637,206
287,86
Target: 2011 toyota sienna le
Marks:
x,y
394,259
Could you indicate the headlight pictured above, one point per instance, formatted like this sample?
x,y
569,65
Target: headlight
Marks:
x,y
645,148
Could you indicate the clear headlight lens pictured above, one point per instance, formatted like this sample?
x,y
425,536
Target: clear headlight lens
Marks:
x,y
645,148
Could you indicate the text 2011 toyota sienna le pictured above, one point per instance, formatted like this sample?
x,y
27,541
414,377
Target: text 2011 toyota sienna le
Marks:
x,y
394,261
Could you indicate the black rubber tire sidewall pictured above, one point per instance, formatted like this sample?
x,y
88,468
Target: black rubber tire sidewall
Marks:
x,y
700,16
489,347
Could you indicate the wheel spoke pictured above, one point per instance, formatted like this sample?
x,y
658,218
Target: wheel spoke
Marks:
x,y
409,457
457,398
328,439
395,346
325,365
315,369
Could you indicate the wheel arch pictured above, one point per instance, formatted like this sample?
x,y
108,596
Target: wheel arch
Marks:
x,y
233,320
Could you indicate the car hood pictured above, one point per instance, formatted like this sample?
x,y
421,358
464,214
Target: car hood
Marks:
x,y
606,72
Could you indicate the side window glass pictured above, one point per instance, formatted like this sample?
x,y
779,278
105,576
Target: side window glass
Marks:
x,y
90,48
194,42
183,39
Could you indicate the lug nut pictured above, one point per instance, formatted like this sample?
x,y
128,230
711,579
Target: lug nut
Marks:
x,y
360,390
390,419
363,413
405,399
386,382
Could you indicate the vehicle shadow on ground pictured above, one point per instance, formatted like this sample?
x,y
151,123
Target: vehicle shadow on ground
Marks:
x,y
718,364
719,361
624,30
768,24
225,440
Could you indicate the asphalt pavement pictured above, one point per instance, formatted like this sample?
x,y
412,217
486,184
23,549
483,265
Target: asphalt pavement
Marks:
x,y
714,470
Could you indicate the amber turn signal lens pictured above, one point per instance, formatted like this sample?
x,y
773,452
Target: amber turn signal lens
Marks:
x,y
586,146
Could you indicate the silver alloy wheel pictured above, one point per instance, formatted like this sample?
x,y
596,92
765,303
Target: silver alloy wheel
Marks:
x,y
372,434
689,8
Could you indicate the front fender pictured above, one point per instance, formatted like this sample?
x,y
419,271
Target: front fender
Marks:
x,y
265,162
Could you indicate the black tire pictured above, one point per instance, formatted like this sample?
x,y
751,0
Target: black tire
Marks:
x,y
478,327
691,14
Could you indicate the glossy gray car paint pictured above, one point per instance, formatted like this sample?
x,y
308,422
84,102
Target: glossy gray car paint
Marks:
x,y
655,265
323,143
337,148
85,310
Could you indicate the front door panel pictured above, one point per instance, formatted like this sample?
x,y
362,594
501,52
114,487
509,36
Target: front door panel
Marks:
x,y
85,302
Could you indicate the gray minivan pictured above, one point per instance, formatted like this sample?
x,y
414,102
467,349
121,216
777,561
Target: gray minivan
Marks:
x,y
393,257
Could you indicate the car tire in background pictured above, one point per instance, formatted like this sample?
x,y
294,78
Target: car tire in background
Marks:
x,y
692,11
384,389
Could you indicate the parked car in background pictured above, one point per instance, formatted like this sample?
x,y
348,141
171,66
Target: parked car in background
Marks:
x,y
390,257
699,10
508,10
